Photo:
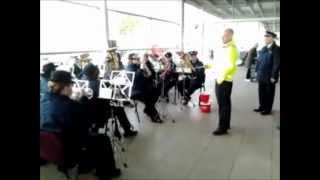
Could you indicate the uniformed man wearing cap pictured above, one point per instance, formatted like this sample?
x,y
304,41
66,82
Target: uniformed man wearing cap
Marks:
x,y
268,67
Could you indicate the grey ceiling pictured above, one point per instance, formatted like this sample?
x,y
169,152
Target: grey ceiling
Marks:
x,y
242,9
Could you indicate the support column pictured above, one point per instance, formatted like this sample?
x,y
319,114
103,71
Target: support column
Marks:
x,y
106,22
182,26
202,40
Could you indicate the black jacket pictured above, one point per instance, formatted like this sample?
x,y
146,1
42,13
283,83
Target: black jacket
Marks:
x,y
268,64
199,73
252,55
59,114
142,84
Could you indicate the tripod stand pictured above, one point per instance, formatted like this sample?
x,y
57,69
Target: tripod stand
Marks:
x,y
112,129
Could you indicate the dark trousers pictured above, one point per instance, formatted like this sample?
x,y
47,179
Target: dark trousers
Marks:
x,y
223,94
248,75
167,86
149,98
169,82
191,85
266,95
97,154
122,117
100,112
90,152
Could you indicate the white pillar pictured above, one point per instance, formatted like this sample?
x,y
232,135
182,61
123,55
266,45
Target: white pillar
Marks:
x,y
106,22
202,41
182,26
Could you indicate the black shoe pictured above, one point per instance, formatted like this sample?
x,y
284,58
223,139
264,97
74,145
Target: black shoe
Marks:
x,y
84,170
156,119
115,173
130,133
42,162
185,101
264,113
258,110
219,132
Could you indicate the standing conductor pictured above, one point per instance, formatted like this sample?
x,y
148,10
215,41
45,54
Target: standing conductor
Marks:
x,y
225,68
268,68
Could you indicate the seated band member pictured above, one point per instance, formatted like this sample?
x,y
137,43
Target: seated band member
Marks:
x,y
143,88
101,105
70,122
168,75
195,80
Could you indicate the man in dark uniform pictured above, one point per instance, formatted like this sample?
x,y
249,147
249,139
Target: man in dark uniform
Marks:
x,y
268,67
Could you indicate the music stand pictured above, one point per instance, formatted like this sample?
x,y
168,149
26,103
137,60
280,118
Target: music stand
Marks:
x,y
80,86
117,90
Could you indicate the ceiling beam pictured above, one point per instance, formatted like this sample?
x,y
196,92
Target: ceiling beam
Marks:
x,y
225,11
212,9
250,8
260,8
234,7
262,20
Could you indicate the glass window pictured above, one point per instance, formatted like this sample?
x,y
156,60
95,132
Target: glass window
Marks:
x,y
70,27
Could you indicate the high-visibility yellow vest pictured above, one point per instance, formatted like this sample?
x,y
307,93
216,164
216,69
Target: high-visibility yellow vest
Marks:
x,y
226,61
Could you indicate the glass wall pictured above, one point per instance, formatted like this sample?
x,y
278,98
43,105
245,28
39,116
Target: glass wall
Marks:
x,y
134,32
80,26
70,27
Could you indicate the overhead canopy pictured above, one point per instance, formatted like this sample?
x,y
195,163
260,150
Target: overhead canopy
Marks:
x,y
242,9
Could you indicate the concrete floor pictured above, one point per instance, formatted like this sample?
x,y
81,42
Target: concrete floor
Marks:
x,y
186,149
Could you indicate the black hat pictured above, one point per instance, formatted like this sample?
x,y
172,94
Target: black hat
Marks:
x,y
168,55
269,33
62,76
48,68
193,53
90,69
112,44
133,56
